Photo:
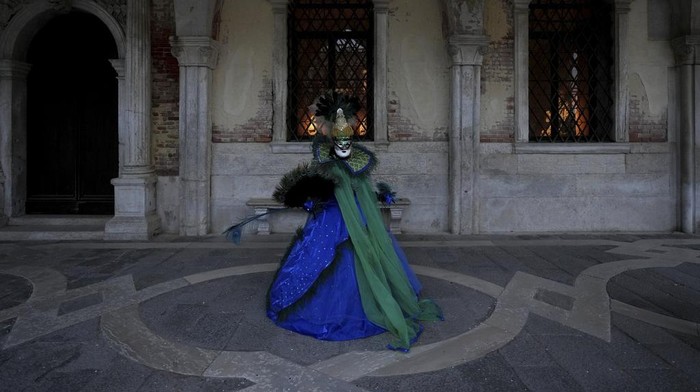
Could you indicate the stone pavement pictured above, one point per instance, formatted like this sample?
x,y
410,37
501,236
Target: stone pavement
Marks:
x,y
540,313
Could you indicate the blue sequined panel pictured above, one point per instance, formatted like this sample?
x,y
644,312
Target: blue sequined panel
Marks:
x,y
315,290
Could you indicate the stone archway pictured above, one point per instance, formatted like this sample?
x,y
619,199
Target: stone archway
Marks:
x,y
72,146
21,27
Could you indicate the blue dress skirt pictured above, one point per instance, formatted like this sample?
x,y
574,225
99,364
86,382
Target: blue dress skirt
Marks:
x,y
315,289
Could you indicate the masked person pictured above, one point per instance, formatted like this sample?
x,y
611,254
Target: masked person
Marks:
x,y
344,276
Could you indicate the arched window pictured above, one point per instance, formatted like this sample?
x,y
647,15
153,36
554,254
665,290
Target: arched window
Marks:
x,y
330,47
570,82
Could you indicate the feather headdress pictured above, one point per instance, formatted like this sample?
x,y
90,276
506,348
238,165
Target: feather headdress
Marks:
x,y
326,107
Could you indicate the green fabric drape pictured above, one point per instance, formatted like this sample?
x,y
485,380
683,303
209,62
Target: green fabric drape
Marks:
x,y
387,296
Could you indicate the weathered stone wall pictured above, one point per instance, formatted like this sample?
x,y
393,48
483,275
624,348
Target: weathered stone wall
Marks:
x,y
577,192
561,191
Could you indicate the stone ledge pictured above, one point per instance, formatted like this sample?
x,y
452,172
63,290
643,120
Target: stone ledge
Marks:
x,y
392,213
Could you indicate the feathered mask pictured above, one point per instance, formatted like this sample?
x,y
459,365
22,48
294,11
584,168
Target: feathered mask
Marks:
x,y
326,108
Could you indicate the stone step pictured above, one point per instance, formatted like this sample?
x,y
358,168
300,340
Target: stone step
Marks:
x,y
59,220
54,228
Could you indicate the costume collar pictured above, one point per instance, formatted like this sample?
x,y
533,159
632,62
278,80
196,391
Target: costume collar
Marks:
x,y
359,162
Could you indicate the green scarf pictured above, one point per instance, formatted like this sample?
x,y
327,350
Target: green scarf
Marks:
x,y
387,296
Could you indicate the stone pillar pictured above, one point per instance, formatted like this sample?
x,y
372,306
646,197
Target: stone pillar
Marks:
x,y
279,71
686,51
135,215
521,77
381,34
467,56
118,65
197,58
13,138
622,10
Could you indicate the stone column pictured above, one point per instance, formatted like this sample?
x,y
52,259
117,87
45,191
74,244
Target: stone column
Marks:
x,y
381,25
520,78
467,56
686,51
197,58
622,10
118,65
135,215
279,71
13,138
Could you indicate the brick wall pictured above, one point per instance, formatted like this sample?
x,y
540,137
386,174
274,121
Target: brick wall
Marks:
x,y
165,89
498,69
257,129
644,127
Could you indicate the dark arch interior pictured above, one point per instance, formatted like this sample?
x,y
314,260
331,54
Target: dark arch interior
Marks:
x,y
72,98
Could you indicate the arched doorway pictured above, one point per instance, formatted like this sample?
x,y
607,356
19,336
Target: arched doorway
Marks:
x,y
72,101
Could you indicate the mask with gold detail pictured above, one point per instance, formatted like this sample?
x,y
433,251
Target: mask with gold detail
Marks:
x,y
342,136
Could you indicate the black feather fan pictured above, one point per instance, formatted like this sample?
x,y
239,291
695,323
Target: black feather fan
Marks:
x,y
301,184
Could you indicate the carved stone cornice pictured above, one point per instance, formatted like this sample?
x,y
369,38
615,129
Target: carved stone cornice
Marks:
x,y
467,49
195,51
686,49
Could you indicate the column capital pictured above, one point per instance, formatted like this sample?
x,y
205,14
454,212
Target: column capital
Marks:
x,y
119,66
279,6
195,51
467,49
521,5
622,6
11,69
381,5
686,49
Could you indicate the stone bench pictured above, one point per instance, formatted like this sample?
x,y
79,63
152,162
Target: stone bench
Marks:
x,y
392,213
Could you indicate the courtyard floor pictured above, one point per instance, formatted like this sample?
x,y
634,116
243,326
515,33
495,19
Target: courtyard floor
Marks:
x,y
617,312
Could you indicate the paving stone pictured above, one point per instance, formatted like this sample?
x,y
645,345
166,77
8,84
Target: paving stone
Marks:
x,y
491,373
680,356
641,332
630,354
654,380
547,379
642,285
161,381
540,326
79,303
14,290
525,351
590,367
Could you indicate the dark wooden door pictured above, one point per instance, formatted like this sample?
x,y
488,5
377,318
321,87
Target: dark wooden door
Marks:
x,y
72,144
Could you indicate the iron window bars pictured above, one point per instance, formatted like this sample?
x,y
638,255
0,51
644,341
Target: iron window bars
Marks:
x,y
330,47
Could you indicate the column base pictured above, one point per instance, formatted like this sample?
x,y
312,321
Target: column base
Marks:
x,y
132,228
135,217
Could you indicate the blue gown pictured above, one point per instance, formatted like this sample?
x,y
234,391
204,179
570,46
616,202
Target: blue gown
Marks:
x,y
315,290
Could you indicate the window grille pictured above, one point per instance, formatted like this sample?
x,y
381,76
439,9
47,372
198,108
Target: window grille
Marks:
x,y
570,71
330,48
